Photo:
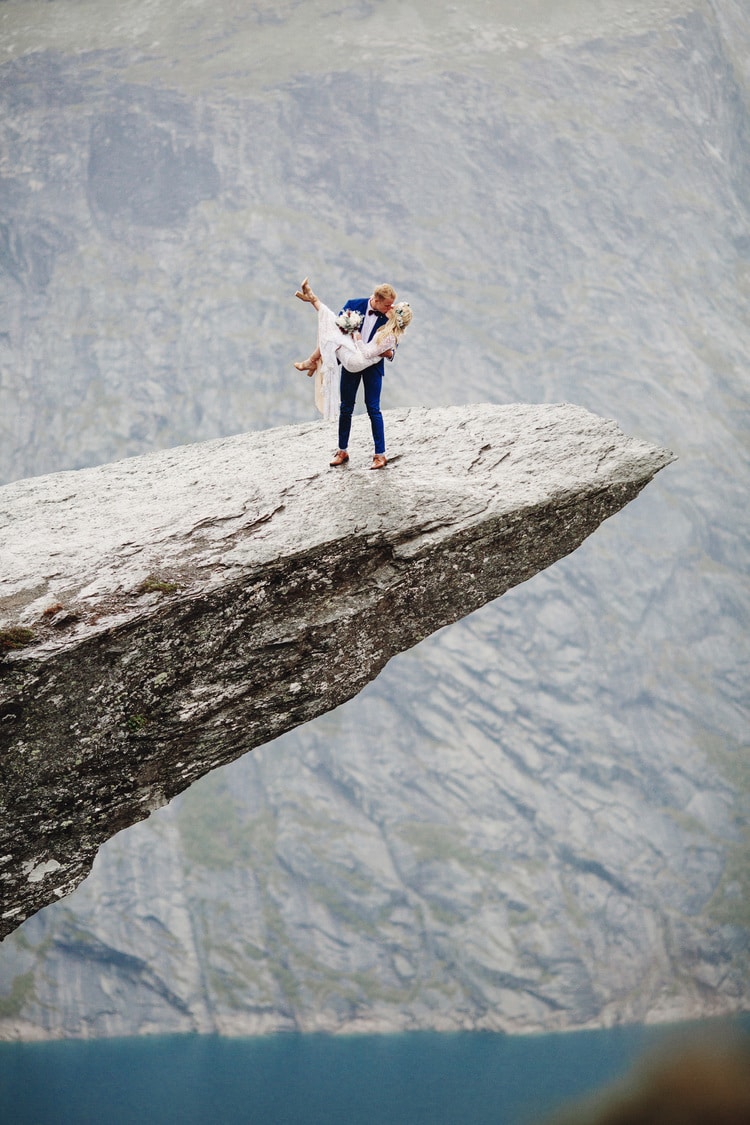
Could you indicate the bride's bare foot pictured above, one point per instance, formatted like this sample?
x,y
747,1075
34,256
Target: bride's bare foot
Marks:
x,y
305,293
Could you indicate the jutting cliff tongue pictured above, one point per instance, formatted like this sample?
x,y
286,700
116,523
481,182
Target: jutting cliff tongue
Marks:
x,y
162,615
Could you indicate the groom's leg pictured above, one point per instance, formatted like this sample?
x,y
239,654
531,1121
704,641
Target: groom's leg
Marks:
x,y
349,385
373,381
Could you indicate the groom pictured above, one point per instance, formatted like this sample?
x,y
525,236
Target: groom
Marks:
x,y
374,310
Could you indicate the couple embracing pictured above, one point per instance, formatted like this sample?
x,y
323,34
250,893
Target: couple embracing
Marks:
x,y
364,334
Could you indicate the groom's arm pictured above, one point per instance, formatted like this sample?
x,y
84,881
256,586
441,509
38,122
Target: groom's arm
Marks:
x,y
355,303
359,304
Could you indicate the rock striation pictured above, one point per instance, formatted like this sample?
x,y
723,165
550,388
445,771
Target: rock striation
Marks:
x,y
163,615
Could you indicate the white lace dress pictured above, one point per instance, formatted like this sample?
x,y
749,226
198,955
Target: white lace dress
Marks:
x,y
336,347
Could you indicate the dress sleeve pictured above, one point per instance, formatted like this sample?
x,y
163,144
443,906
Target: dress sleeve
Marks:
x,y
372,350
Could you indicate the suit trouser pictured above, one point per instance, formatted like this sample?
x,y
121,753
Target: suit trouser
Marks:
x,y
373,381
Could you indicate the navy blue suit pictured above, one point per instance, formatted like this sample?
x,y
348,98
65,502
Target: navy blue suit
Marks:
x,y
372,378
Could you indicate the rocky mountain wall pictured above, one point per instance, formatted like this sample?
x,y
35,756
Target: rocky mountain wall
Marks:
x,y
538,817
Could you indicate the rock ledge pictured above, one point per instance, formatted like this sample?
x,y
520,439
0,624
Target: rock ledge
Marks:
x,y
161,616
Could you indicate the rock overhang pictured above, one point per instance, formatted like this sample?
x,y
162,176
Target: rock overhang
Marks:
x,y
186,606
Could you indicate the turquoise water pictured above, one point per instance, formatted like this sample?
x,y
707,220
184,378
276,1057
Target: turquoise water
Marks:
x,y
412,1079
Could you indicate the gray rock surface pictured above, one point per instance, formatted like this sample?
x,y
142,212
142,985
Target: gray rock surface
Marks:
x,y
184,607
566,203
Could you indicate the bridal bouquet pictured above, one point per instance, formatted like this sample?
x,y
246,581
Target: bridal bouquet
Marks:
x,y
349,321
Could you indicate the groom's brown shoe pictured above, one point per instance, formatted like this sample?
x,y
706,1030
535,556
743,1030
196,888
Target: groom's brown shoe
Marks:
x,y
379,461
340,458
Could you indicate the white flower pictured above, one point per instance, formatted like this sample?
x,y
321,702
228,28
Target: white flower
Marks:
x,y
349,321
399,310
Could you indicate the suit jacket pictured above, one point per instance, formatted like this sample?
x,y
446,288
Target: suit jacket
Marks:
x,y
359,304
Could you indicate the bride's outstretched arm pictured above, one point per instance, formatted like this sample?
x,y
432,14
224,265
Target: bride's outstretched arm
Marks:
x,y
381,348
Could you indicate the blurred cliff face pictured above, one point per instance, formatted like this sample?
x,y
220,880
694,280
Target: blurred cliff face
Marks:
x,y
570,180
698,1083
538,818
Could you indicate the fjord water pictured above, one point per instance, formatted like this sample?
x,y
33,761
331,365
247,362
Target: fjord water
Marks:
x,y
421,1078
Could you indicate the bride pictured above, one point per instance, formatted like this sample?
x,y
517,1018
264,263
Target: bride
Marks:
x,y
339,341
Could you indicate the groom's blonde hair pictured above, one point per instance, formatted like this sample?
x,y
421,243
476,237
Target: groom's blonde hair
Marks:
x,y
384,292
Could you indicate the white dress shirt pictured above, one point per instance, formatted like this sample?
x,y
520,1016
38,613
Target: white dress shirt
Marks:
x,y
368,324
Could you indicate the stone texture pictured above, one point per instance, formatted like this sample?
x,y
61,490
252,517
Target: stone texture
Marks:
x,y
569,762
189,605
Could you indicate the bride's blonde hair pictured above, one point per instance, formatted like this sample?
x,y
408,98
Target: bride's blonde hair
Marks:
x,y
399,319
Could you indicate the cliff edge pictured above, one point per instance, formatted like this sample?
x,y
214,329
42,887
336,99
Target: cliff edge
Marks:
x,y
161,616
